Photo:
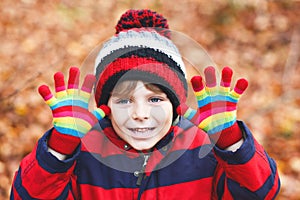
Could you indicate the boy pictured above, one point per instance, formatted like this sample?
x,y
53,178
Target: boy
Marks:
x,y
143,141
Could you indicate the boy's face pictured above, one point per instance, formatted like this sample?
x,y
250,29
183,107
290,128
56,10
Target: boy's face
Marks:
x,y
141,117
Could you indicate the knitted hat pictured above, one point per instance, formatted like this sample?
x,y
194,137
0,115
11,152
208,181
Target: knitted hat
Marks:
x,y
141,49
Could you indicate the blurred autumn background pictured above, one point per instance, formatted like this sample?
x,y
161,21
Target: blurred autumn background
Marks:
x,y
259,39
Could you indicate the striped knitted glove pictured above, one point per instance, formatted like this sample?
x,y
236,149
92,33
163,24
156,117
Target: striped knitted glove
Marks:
x,y
217,106
71,117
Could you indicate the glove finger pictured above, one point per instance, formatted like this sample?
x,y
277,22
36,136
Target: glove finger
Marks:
x,y
197,83
59,83
73,81
199,91
210,77
239,88
226,77
101,112
87,86
46,94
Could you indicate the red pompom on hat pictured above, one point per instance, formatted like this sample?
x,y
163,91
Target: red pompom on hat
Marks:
x,y
143,19
141,49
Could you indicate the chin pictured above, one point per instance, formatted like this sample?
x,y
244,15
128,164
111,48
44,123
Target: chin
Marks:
x,y
141,147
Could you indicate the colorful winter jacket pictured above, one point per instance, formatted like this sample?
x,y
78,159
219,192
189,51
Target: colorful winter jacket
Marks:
x,y
183,165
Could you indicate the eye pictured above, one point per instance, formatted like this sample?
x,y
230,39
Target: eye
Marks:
x,y
123,101
155,99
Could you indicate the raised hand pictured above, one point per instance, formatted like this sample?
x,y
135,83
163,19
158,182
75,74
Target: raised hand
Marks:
x,y
71,117
217,106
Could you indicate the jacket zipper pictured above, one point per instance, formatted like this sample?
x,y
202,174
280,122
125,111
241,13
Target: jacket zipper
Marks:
x,y
141,173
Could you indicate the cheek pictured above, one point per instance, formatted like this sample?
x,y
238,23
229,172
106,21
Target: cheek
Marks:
x,y
162,113
120,116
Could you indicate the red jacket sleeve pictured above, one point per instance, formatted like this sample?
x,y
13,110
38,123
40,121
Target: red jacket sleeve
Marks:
x,y
248,173
43,176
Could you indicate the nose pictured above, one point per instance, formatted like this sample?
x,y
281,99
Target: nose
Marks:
x,y
140,111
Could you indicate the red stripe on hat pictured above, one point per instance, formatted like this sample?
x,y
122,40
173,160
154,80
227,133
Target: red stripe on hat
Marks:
x,y
145,65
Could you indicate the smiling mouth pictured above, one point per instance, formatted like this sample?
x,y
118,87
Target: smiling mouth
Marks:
x,y
141,131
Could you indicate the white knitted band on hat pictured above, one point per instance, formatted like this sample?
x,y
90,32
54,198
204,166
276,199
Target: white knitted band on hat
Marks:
x,y
141,38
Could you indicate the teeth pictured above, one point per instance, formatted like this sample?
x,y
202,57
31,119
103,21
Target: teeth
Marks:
x,y
141,129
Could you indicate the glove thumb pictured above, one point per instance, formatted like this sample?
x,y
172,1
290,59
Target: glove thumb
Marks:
x,y
188,113
101,112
